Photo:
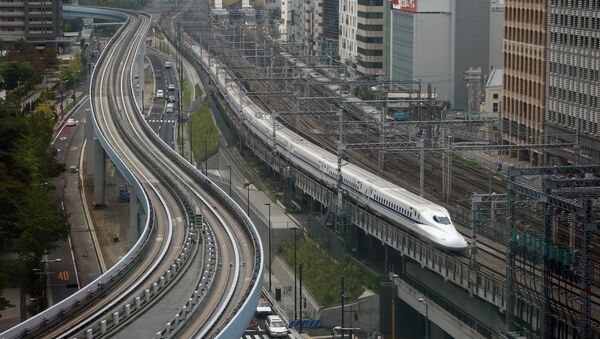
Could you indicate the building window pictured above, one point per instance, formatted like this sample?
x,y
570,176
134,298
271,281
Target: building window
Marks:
x,y
495,96
495,106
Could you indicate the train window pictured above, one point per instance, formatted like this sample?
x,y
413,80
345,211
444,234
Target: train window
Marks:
x,y
441,220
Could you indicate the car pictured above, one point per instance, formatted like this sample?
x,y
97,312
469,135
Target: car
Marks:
x,y
263,308
160,94
276,327
71,122
171,87
171,98
168,65
170,108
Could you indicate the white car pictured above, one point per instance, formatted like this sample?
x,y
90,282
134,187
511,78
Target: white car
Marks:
x,y
170,108
264,307
71,122
160,94
168,65
171,87
276,327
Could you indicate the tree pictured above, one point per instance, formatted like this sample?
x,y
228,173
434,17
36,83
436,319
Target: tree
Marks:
x,y
16,73
42,225
73,71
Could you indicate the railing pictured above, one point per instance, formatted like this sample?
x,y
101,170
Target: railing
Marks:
x,y
238,322
92,291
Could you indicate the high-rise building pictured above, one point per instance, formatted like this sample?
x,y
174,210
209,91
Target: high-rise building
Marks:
x,y
328,27
573,78
524,75
32,20
437,41
361,34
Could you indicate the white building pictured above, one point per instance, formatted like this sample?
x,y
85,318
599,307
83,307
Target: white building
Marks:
x,y
493,94
347,42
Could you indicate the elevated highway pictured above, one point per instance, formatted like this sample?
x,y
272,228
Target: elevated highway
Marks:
x,y
179,215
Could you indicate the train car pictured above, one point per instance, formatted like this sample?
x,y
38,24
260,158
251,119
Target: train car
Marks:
x,y
428,220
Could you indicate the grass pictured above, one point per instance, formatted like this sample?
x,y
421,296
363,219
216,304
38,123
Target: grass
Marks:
x,y
321,273
202,127
198,91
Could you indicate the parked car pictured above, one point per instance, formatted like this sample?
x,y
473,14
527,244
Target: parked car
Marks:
x,y
71,122
263,308
171,87
276,327
160,94
170,108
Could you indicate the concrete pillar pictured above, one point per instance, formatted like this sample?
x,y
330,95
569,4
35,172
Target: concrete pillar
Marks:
x,y
116,318
103,327
89,146
99,174
89,334
138,303
127,310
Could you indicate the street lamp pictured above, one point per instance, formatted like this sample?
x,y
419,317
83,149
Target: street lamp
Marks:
x,y
43,274
205,157
426,317
229,167
270,252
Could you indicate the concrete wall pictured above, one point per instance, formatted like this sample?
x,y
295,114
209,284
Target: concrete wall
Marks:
x,y
479,309
367,308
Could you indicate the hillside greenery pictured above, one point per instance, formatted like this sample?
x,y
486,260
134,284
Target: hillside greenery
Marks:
x,y
129,4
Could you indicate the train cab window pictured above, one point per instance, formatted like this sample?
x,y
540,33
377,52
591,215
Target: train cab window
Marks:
x,y
441,220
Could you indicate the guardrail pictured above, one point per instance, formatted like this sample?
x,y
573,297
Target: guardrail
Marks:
x,y
89,293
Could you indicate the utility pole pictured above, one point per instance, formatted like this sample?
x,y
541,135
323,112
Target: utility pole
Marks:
x,y
300,297
342,298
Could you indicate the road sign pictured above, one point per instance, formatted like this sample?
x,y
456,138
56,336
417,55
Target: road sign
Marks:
x,y
305,323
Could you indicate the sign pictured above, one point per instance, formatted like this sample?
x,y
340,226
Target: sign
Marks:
x,y
405,5
305,323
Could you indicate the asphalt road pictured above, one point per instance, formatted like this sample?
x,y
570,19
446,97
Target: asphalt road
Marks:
x,y
61,277
158,119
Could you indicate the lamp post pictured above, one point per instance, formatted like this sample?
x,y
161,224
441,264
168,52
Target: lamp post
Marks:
x,y
43,274
229,167
295,276
270,252
426,317
205,157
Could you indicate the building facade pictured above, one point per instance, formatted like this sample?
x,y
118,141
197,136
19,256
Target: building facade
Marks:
x,y
573,78
437,41
35,21
347,24
419,44
524,48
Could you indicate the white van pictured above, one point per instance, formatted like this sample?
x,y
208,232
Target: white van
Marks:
x,y
170,107
160,94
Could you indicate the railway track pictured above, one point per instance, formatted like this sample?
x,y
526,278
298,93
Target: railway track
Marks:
x,y
191,220
466,179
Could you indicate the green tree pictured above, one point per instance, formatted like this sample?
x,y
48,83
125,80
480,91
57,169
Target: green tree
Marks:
x,y
42,225
16,73
73,71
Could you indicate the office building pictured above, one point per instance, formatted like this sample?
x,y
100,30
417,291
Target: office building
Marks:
x,y
35,21
573,78
524,75
437,41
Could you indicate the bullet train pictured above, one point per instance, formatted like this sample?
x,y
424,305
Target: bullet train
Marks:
x,y
425,218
